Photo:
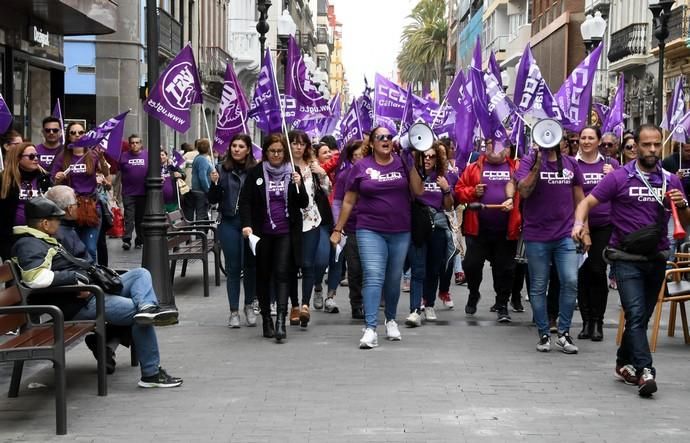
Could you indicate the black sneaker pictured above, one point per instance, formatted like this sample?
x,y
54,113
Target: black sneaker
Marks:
x,y
156,316
138,246
646,384
126,245
470,309
494,308
160,380
502,315
517,306
90,341
357,313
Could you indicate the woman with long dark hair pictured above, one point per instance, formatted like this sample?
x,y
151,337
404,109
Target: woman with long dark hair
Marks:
x,y
270,208
21,180
78,167
227,183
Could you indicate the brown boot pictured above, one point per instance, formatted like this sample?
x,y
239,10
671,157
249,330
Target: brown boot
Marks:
x,y
294,316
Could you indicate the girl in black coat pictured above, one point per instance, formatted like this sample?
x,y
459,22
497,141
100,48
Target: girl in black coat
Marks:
x,y
270,204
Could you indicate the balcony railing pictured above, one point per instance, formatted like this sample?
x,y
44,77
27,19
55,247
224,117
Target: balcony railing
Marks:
x,y
212,63
498,44
678,24
170,33
631,40
244,45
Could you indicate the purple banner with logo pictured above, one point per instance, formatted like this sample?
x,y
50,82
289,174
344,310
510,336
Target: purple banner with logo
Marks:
x,y
265,105
176,90
601,110
176,159
614,121
107,136
328,124
310,104
366,110
532,94
484,109
5,116
676,110
232,112
389,98
465,118
575,94
350,125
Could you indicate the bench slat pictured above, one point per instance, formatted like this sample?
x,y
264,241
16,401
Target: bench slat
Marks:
x,y
43,335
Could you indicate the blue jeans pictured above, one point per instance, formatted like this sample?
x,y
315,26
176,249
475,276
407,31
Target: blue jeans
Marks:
x,y
89,236
382,256
427,265
638,287
326,259
539,258
137,291
237,257
315,249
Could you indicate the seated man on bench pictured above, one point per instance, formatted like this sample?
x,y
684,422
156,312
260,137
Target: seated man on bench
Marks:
x,y
42,262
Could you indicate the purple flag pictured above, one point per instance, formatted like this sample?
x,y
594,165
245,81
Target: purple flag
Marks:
x,y
602,111
532,94
350,125
57,113
232,112
499,103
484,109
477,55
465,118
614,121
265,106
407,116
494,68
576,93
177,159
311,127
5,116
389,98
682,128
329,124
517,135
309,102
176,90
675,111
366,110
107,136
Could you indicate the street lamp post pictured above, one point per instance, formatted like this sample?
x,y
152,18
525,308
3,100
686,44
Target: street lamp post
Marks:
x,y
661,9
286,28
155,224
262,26
592,30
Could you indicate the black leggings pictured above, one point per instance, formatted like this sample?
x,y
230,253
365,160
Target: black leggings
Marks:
x,y
592,287
274,262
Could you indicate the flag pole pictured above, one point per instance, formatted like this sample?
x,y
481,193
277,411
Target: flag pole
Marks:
x,y
282,117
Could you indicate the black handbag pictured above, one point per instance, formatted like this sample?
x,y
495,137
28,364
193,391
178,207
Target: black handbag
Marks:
x,y
422,223
644,241
98,275
322,203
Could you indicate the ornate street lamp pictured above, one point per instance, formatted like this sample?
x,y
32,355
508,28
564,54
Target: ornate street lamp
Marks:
x,y
592,30
661,10
262,26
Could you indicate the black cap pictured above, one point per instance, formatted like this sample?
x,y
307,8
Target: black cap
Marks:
x,y
40,207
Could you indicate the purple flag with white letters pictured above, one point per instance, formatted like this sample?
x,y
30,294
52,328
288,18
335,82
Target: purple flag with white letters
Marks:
x,y
265,105
489,123
366,110
176,90
309,102
494,68
177,159
57,113
5,116
107,136
675,111
389,98
614,121
575,94
232,112
465,118
601,110
532,95
350,125
329,124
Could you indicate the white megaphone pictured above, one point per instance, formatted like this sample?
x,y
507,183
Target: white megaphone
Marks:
x,y
547,133
419,137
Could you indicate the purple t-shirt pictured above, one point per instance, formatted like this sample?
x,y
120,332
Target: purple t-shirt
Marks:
x,y
168,183
339,194
133,168
28,190
632,206
47,155
548,213
383,203
495,177
433,196
78,178
593,173
276,205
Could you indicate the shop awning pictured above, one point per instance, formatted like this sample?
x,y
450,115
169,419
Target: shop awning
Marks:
x,y
68,17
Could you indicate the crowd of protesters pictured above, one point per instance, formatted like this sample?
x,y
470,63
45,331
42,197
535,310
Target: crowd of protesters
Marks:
x,y
556,220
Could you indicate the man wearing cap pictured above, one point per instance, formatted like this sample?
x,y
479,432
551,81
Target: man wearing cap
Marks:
x,y
44,263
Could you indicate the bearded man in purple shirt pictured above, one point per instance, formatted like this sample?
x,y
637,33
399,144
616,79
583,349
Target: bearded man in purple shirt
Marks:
x,y
52,146
133,169
640,194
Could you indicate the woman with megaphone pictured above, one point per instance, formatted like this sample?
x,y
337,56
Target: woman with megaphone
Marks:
x,y
381,187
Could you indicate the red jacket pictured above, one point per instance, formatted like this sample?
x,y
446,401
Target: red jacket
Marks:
x,y
465,193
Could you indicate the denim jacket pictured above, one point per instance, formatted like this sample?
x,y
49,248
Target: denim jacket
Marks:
x,y
227,192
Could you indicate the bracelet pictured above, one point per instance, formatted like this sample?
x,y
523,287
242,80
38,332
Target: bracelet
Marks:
x,y
339,231
446,192
578,223
684,205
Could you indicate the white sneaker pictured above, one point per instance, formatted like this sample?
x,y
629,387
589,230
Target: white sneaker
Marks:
x,y
369,340
274,312
234,321
430,314
250,315
255,306
406,285
413,320
392,331
331,306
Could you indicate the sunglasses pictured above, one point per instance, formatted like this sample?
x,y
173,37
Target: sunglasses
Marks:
x,y
629,147
574,142
384,137
51,130
430,157
607,145
77,132
30,156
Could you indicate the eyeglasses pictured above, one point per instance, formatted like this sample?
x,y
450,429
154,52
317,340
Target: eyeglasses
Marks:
x,y
275,153
430,157
607,145
31,156
384,137
629,147
77,132
51,130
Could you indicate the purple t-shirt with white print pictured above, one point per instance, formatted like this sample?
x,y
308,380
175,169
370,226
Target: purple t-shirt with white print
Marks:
x,y
632,205
133,169
276,206
28,190
78,177
47,155
383,202
495,177
548,213
592,174
433,195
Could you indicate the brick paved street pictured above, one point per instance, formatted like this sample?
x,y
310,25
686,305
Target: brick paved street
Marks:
x,y
457,380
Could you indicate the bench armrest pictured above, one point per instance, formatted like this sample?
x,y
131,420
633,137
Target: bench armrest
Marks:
x,y
54,312
202,235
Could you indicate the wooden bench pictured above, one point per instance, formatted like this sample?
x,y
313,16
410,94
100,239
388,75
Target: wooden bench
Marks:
x,y
47,341
193,241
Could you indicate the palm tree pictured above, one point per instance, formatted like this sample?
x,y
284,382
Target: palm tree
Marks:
x,y
424,40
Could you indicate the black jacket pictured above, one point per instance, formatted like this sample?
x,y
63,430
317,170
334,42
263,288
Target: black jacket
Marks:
x,y
253,207
227,192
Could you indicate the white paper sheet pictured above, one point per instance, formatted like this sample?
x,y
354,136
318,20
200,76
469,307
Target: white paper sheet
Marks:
x,y
253,240
581,259
340,246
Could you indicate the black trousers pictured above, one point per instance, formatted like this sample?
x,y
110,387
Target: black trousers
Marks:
x,y
592,286
135,205
500,252
354,270
274,261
